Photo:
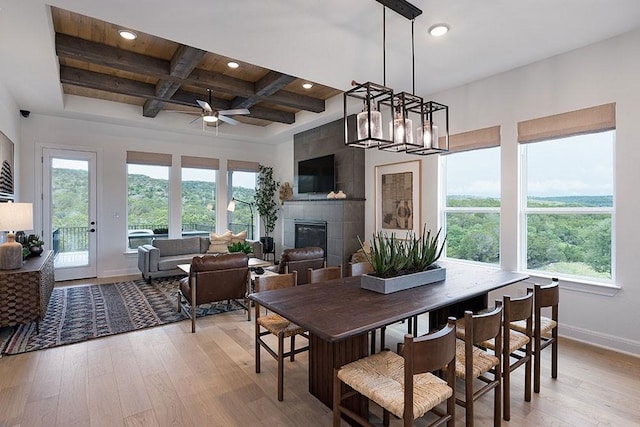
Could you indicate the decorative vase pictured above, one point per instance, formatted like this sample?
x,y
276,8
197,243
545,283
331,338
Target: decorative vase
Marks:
x,y
341,195
267,244
36,250
401,283
331,195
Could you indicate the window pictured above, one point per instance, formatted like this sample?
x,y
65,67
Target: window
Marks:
x,y
147,197
198,195
471,196
241,187
567,200
472,205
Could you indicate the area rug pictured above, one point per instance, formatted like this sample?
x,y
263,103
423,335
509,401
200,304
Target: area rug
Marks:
x,y
82,313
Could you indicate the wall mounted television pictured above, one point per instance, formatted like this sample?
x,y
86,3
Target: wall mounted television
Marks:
x,y
316,175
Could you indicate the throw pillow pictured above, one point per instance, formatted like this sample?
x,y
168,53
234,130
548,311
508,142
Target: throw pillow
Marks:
x,y
219,242
238,238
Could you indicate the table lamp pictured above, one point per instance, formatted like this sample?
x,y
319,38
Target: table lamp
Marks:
x,y
14,217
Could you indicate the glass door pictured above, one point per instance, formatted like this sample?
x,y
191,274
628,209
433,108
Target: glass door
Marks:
x,y
69,211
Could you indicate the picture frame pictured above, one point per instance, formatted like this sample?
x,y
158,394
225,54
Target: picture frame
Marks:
x,y
398,199
7,190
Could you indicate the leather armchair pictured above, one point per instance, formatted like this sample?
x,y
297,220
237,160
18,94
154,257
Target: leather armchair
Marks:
x,y
216,278
301,260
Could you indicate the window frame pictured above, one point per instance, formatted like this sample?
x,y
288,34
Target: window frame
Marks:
x,y
595,284
445,209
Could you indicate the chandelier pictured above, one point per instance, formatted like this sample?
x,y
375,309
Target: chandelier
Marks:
x,y
413,124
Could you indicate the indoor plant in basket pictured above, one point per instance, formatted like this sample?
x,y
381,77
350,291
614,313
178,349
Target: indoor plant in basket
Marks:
x,y
266,205
400,264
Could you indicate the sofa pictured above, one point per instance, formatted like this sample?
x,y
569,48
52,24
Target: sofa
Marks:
x,y
162,257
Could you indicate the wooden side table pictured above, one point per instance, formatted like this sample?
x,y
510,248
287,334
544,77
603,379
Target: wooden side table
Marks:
x,y
25,292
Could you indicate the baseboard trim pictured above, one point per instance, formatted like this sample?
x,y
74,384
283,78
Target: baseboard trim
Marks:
x,y
609,342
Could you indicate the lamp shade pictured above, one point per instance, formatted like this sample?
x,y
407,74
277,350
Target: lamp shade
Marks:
x,y
16,216
231,206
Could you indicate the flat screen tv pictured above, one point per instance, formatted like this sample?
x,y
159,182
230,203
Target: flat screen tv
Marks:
x,y
316,175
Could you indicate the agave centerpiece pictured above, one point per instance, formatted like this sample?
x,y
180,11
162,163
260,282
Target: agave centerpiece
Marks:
x,y
400,264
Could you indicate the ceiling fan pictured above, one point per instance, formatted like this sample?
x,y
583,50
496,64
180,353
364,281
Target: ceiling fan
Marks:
x,y
210,116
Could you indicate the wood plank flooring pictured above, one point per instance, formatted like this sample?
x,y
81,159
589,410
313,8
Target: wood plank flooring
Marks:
x,y
167,376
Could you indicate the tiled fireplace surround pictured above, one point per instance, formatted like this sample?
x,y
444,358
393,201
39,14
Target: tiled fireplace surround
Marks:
x,y
344,217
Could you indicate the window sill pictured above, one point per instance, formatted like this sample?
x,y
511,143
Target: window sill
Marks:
x,y
586,286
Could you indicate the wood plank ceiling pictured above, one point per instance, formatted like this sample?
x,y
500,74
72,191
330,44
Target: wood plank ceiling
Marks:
x,y
159,74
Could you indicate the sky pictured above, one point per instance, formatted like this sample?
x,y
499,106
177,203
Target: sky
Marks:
x,y
576,166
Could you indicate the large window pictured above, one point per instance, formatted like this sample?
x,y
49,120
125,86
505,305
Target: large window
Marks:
x,y
198,195
567,201
472,205
241,186
147,197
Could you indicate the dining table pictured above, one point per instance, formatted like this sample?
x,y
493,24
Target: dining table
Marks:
x,y
339,314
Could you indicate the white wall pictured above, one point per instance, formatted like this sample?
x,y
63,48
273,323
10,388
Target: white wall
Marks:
x,y
602,73
111,142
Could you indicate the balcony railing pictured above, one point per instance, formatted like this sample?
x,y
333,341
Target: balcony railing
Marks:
x,y
76,239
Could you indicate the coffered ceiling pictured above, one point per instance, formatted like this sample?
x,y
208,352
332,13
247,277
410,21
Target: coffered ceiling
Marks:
x,y
158,74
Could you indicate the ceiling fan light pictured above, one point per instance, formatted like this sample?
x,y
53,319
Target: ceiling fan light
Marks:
x,y
210,119
127,34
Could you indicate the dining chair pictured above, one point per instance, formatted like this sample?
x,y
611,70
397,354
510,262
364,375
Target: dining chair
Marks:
x,y
515,345
277,325
323,274
360,268
403,385
474,361
545,329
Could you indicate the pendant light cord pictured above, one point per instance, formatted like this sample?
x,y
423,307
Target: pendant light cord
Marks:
x,y
413,60
384,46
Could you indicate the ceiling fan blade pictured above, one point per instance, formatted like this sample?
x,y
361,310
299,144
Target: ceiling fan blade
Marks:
x,y
228,119
205,105
234,112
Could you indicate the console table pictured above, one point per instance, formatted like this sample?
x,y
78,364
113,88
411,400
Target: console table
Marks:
x,y
25,292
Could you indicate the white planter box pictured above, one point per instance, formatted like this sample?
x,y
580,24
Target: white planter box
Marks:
x,y
400,283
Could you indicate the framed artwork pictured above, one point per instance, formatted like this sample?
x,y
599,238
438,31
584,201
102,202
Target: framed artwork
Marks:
x,y
6,169
397,198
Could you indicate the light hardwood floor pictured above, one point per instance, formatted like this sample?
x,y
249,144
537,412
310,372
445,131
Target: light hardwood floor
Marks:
x,y
167,376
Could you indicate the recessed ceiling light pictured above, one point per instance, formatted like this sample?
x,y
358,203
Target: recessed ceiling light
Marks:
x,y
128,34
232,64
439,30
307,85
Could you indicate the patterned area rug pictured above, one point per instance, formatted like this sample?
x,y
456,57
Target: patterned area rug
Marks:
x,y
82,313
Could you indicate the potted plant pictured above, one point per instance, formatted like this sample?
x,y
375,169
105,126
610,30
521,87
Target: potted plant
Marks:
x,y
402,264
266,205
240,247
35,244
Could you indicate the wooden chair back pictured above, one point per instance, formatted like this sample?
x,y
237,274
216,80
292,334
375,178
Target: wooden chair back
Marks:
x,y
324,274
428,353
275,281
484,326
360,268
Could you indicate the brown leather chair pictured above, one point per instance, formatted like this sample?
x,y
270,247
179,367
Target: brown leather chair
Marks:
x,y
300,260
216,278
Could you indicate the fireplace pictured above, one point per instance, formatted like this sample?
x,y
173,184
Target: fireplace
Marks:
x,y
311,233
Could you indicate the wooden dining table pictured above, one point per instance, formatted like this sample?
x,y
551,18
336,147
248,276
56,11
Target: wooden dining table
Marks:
x,y
338,314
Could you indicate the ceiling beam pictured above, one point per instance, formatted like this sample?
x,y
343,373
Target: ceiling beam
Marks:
x,y
108,56
98,81
184,61
268,85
